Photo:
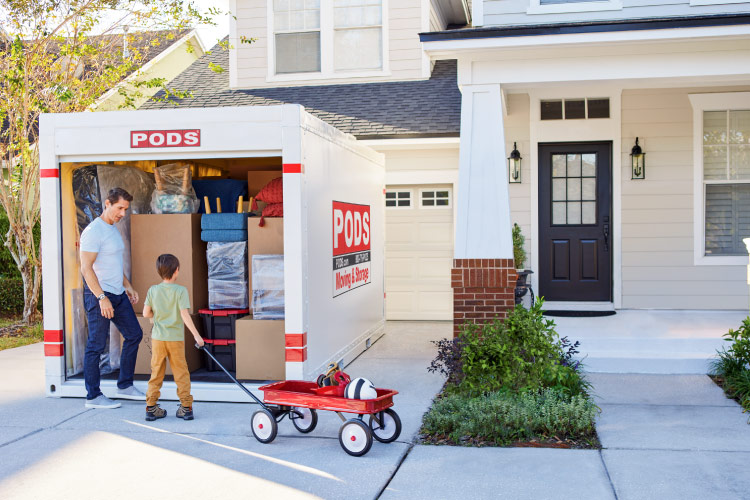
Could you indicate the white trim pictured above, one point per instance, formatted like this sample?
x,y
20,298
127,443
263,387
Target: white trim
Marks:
x,y
535,7
397,207
599,129
477,13
326,30
234,40
708,102
425,9
429,142
552,305
697,3
449,47
419,177
435,189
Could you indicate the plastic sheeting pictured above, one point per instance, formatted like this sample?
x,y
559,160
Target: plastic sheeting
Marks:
x,y
174,193
227,275
268,286
87,195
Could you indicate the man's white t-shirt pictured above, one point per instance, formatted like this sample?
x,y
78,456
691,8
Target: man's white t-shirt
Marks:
x,y
105,240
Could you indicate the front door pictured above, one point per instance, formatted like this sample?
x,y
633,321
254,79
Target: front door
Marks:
x,y
575,221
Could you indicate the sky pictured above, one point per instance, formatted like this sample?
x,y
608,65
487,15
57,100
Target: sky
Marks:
x,y
211,34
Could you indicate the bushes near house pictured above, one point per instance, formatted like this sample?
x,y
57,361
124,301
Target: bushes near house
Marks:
x,y
509,381
11,296
731,369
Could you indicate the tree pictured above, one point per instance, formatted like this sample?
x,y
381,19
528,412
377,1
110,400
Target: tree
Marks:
x,y
59,56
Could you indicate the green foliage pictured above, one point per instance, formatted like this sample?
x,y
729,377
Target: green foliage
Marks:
x,y
740,339
519,254
30,335
8,268
504,417
733,365
11,296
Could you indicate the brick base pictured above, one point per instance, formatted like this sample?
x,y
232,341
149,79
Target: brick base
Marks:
x,y
483,289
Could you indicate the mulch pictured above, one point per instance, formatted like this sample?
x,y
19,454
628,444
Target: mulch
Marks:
x,y
586,443
16,330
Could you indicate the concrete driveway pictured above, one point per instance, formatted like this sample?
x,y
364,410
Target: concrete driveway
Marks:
x,y
55,448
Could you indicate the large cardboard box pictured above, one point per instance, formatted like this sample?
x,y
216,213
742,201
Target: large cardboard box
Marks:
x,y
179,234
192,354
257,179
260,349
265,240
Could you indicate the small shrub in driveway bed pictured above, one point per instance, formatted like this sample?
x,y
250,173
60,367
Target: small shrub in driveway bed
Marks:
x,y
731,369
511,382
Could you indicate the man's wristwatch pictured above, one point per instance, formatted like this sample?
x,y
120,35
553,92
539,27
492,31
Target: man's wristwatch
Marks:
x,y
101,297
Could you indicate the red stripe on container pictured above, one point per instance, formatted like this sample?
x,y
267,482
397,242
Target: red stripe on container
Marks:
x,y
53,350
219,341
296,339
49,172
53,335
296,355
292,168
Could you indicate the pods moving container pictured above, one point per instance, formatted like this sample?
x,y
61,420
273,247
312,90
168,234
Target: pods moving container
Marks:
x,y
333,224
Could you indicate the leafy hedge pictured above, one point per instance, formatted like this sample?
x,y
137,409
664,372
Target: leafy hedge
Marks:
x,y
11,296
7,265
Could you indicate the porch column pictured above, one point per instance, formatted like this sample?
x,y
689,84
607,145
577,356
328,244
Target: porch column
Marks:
x,y
483,277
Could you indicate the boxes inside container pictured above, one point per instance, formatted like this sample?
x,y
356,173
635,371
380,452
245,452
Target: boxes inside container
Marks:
x,y
148,235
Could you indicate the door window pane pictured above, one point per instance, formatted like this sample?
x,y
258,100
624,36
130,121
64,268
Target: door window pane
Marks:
x,y
574,212
588,189
588,163
574,189
574,165
558,190
558,213
589,212
574,183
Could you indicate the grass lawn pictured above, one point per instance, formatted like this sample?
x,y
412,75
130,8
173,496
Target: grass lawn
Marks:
x,y
14,334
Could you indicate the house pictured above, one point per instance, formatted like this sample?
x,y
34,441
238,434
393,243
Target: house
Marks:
x,y
361,68
448,89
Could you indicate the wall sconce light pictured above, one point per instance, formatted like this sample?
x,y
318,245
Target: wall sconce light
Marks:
x,y
638,160
514,166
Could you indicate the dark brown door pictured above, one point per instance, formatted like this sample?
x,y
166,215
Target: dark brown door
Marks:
x,y
575,222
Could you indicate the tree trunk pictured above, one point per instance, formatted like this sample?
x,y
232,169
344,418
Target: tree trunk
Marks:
x,y
31,276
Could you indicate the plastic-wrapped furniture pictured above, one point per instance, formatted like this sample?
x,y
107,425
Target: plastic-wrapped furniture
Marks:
x,y
227,275
268,286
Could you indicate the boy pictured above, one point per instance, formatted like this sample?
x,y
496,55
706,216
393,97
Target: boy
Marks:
x,y
169,306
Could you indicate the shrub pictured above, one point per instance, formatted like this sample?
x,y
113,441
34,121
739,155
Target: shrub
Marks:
x,y
8,267
11,296
740,339
519,254
733,365
504,417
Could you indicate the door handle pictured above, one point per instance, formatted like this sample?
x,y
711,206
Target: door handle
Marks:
x,y
606,237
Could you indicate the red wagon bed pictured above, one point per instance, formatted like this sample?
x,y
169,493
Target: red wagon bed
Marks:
x,y
302,394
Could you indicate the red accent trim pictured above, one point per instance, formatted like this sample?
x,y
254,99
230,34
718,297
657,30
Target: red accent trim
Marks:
x,y
296,339
220,341
223,312
53,350
383,190
49,172
296,355
305,394
53,335
292,168
383,294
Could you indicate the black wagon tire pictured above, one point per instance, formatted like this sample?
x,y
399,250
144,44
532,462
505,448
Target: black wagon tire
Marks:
x,y
389,428
264,426
308,421
355,437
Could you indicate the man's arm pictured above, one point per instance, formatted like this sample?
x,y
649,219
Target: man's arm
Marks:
x,y
87,269
132,294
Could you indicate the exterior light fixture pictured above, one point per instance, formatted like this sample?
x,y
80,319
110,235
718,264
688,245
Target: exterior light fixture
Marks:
x,y
514,166
638,160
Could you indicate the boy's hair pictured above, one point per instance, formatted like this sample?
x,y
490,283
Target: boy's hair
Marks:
x,y
166,265
117,194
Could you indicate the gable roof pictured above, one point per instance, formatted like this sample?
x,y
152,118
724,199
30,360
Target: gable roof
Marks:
x,y
426,108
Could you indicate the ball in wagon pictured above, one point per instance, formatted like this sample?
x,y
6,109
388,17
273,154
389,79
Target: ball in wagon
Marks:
x,y
360,388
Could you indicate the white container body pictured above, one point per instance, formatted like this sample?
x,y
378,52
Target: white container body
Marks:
x,y
321,165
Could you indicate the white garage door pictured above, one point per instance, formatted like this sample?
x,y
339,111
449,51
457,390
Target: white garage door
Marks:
x,y
419,252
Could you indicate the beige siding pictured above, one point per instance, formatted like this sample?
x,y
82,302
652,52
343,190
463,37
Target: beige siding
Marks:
x,y
405,55
517,129
657,214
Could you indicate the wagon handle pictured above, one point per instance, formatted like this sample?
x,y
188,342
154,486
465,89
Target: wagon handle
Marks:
x,y
203,348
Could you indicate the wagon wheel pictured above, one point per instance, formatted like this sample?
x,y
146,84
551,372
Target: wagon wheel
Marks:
x,y
355,437
305,423
264,426
385,426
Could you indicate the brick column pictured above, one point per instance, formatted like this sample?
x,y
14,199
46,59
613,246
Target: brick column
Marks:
x,y
483,289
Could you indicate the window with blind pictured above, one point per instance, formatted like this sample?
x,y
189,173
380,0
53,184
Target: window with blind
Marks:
x,y
358,34
726,181
296,26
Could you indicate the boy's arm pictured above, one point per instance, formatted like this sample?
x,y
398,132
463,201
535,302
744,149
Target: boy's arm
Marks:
x,y
148,312
185,314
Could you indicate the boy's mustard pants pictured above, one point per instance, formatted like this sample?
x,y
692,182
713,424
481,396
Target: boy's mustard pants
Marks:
x,y
161,351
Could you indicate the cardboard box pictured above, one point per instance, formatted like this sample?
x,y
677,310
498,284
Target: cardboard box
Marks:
x,y
179,234
193,356
266,240
260,349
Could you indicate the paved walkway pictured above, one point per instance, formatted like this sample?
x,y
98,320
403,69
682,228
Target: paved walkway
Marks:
x,y
664,436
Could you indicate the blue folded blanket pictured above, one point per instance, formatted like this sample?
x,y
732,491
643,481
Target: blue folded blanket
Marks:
x,y
228,190
224,221
223,235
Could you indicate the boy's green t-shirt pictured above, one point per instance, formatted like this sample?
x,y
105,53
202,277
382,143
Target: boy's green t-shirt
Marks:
x,y
166,300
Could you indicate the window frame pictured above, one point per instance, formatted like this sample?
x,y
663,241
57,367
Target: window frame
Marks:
x,y
327,30
727,101
397,190
435,207
536,7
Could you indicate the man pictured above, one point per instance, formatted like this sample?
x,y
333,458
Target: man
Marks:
x,y
108,296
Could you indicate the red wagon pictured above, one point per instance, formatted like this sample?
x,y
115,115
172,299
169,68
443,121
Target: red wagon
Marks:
x,y
300,400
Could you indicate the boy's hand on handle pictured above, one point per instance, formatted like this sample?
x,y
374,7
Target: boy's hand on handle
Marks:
x,y
106,307
199,342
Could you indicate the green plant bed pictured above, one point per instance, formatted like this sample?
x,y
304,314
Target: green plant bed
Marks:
x,y
731,369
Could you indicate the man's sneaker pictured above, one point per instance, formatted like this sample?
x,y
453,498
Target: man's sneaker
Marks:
x,y
154,412
102,401
185,413
130,393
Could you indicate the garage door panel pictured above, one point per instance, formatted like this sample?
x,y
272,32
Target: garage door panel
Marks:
x,y
436,232
400,232
400,268
439,268
439,303
400,302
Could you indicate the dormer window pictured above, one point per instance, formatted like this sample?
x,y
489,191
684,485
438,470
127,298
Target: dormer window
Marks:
x,y
334,38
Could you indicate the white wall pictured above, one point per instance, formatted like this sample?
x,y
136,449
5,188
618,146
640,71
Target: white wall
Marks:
x,y
517,129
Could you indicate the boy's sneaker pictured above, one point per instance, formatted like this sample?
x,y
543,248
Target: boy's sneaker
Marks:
x,y
185,413
154,412
102,401
130,393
